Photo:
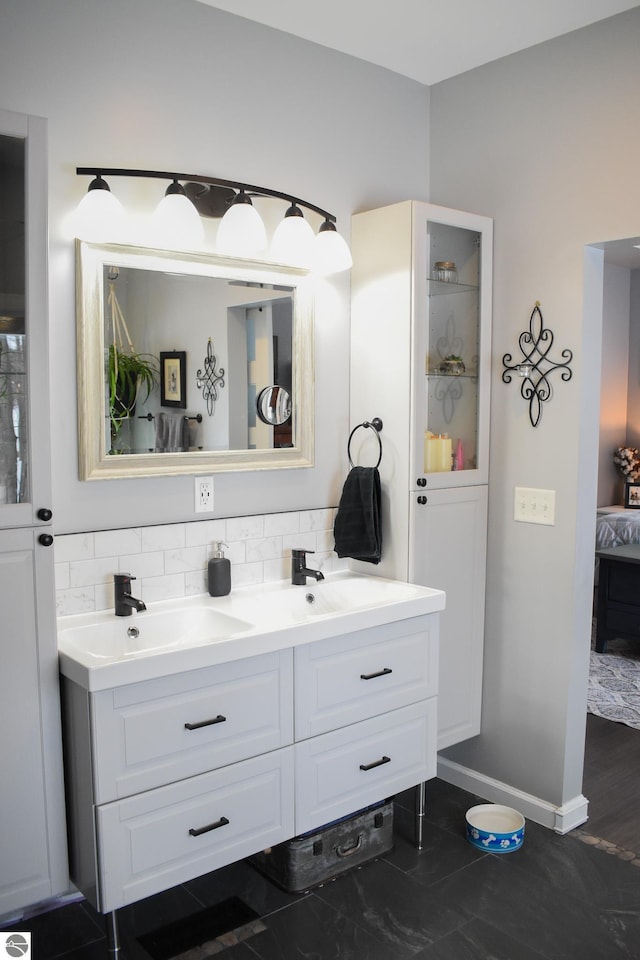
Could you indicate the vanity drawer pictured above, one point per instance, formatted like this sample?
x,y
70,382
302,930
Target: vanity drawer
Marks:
x,y
360,675
152,733
167,836
348,769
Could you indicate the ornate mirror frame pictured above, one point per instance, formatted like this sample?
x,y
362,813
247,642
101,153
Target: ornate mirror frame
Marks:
x,y
95,462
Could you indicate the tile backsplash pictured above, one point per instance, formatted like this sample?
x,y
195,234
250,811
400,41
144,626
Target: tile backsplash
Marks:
x,y
171,560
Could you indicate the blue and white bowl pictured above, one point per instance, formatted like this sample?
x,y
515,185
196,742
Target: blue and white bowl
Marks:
x,y
495,828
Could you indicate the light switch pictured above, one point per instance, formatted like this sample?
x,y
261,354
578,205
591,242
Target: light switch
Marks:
x,y
534,506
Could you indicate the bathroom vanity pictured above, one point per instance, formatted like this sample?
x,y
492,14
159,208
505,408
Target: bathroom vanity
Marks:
x,y
185,757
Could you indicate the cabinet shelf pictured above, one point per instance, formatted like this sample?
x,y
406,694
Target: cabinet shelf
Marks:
x,y
467,375
436,288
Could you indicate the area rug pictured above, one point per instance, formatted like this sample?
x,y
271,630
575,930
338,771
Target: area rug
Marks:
x,y
614,683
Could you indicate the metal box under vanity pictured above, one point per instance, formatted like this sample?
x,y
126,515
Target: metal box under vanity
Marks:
x,y
321,855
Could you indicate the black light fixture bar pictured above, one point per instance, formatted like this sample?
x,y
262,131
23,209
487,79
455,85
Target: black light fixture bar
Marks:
x,y
199,178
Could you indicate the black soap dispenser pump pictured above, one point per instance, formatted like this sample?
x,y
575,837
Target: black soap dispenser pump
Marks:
x,y
219,571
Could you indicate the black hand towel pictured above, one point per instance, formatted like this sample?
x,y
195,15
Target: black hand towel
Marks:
x,y
358,527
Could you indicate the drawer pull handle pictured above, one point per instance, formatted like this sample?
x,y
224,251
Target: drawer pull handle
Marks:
x,y
205,723
345,850
222,822
372,676
376,763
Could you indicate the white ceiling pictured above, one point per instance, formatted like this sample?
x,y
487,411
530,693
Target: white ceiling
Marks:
x,y
432,40
426,40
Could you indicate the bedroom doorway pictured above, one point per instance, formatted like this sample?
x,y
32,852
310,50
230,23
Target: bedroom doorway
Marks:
x,y
612,749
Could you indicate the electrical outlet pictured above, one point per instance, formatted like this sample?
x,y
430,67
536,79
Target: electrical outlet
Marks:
x,y
534,506
204,494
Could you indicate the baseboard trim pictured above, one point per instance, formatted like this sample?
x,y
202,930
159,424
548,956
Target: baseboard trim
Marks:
x,y
560,819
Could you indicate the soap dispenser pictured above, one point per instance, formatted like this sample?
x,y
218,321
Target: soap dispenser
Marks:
x,y
219,571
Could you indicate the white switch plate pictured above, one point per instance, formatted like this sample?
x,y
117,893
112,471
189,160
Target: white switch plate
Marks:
x,y
204,494
534,506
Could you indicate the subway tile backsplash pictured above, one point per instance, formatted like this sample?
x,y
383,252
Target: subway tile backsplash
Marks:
x,y
170,560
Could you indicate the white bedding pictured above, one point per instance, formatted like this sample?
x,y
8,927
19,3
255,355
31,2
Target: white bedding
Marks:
x,y
617,528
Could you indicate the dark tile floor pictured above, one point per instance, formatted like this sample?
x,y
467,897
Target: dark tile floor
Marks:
x,y
556,898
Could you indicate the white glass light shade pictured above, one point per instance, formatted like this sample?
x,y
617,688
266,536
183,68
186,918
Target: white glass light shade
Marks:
x,y
99,217
293,242
331,254
241,232
176,223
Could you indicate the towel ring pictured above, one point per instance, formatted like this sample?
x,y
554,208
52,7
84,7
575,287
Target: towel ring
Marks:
x,y
376,426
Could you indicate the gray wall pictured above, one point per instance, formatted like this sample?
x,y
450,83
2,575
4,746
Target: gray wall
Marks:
x,y
177,85
546,142
614,391
633,407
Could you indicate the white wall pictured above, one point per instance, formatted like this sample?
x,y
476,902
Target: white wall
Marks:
x,y
177,85
615,381
546,142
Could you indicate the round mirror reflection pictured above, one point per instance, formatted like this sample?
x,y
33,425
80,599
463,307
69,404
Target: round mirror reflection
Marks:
x,y
274,405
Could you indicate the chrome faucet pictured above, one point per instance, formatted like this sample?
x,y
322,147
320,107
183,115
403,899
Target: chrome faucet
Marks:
x,y
299,572
125,604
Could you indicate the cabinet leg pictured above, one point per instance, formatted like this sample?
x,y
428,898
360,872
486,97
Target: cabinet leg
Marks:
x,y
421,804
113,938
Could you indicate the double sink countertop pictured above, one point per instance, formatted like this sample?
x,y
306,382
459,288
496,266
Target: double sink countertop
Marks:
x,y
99,650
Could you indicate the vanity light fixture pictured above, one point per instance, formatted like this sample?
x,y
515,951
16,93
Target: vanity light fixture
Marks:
x,y
293,239
100,215
241,231
331,250
176,220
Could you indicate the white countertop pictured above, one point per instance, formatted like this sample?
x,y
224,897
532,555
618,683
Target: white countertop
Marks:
x,y
175,636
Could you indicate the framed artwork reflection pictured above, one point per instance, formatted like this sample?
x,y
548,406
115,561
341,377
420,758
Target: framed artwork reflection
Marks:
x,y
173,379
632,496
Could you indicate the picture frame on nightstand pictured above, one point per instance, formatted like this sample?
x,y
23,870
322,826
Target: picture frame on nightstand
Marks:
x,y
632,496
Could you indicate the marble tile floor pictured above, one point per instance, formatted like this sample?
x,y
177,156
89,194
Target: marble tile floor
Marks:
x,y
558,898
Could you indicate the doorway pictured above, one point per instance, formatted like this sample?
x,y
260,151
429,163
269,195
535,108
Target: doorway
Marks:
x,y
612,749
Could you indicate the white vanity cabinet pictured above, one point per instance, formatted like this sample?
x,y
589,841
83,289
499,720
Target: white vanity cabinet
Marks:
x,y
421,357
175,776
365,718
172,777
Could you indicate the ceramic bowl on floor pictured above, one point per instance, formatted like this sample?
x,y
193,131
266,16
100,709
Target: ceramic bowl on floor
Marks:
x,y
495,828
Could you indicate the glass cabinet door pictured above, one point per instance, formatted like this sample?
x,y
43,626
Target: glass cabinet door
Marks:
x,y
451,409
25,485
14,445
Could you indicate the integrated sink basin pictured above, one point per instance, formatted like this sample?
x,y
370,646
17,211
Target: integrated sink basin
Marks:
x,y
99,650
112,638
328,598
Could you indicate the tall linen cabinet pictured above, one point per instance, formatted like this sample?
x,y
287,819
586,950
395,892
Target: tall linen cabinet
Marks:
x,y
420,361
33,847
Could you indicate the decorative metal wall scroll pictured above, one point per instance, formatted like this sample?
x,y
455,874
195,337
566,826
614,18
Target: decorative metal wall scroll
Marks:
x,y
447,366
448,391
210,379
536,365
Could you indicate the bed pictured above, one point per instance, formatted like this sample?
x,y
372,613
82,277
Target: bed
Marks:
x,y
616,526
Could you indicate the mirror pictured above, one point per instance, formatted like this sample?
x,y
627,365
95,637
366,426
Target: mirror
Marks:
x,y
188,363
274,405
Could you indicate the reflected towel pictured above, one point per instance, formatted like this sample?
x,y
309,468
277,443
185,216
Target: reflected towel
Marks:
x,y
358,526
172,433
